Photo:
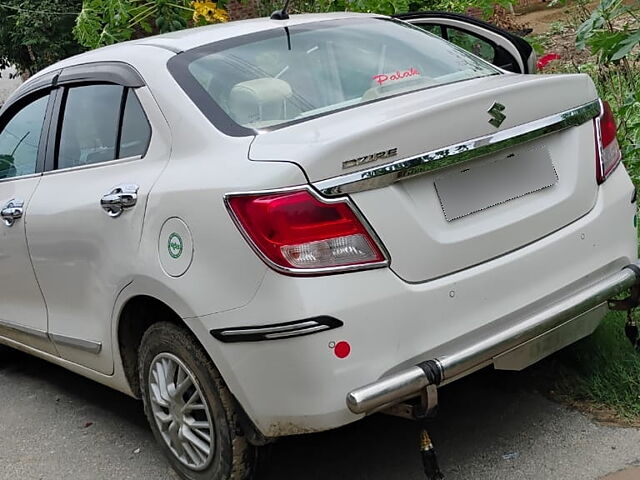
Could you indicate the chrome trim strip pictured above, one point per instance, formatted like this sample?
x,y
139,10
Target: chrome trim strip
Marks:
x,y
93,165
411,381
34,332
309,271
267,330
78,343
384,175
295,333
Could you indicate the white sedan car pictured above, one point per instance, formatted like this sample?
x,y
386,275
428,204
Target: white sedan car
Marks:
x,y
275,227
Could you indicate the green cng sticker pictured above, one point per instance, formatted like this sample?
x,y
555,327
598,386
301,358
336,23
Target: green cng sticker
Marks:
x,y
175,245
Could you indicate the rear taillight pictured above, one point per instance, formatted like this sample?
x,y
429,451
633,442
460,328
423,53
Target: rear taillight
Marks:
x,y
300,234
608,153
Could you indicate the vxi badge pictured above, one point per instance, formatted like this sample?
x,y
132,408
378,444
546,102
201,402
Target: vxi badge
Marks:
x,y
354,162
496,113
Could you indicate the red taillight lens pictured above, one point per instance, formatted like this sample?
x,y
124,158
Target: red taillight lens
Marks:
x,y
296,232
608,153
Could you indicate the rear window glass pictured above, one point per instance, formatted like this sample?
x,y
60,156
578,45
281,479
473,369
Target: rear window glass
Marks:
x,y
286,75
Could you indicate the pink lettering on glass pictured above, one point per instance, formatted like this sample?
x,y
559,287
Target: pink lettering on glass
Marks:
x,y
398,75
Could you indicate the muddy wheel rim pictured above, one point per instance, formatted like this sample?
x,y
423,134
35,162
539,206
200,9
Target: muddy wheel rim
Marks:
x,y
181,412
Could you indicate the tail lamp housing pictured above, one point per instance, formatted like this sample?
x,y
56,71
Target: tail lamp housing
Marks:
x,y
608,154
299,233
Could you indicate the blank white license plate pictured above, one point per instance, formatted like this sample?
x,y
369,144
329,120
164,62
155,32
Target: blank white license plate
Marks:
x,y
472,189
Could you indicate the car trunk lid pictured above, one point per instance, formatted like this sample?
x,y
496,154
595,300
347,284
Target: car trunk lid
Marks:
x,y
468,210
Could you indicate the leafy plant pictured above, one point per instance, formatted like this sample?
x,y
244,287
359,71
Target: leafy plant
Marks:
x,y
486,7
386,7
603,32
104,22
608,49
36,33
612,34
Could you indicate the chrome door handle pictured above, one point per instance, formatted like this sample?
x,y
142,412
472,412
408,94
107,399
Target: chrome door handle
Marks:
x,y
119,199
12,211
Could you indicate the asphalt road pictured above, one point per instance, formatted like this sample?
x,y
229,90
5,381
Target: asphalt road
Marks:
x,y
57,425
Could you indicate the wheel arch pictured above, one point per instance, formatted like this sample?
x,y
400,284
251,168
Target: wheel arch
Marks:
x,y
143,302
136,310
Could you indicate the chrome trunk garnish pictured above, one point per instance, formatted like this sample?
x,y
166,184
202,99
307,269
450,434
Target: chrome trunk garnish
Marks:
x,y
383,175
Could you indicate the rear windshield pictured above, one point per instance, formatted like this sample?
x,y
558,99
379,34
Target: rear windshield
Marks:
x,y
290,74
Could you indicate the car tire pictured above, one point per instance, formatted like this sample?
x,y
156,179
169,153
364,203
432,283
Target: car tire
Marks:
x,y
168,355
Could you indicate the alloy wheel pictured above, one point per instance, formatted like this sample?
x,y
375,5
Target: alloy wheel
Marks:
x,y
181,412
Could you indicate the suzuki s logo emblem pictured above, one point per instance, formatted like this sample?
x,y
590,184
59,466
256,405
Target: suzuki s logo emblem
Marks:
x,y
496,113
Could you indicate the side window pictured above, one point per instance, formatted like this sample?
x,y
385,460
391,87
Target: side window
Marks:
x,y
89,125
471,43
101,123
20,139
136,131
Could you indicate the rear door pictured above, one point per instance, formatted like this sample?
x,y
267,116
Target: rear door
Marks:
x,y
23,316
86,216
493,44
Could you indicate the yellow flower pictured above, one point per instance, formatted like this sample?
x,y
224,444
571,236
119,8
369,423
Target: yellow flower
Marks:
x,y
209,11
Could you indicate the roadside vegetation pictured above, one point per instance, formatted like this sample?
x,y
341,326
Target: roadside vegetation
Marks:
x,y
605,43
601,374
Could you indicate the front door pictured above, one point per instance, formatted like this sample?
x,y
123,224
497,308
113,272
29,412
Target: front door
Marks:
x,y
23,315
85,219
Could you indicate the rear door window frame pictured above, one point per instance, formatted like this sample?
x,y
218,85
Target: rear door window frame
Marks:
x,y
55,131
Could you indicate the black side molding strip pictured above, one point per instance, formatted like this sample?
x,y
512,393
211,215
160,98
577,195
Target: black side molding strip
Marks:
x,y
276,331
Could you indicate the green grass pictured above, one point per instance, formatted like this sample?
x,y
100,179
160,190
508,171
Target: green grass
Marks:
x,y
602,369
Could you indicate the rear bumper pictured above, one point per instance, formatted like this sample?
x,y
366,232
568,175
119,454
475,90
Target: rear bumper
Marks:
x,y
486,348
298,385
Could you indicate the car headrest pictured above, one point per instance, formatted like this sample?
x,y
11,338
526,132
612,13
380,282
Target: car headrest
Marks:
x,y
259,101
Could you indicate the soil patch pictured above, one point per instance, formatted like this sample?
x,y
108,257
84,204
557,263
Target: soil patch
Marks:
x,y
632,473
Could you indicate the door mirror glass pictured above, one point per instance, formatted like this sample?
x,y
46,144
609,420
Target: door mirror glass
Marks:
x,y
20,140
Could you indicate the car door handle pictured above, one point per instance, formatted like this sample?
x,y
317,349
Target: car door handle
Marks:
x,y
12,211
119,199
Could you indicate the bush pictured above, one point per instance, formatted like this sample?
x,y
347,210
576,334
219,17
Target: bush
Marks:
x,y
611,33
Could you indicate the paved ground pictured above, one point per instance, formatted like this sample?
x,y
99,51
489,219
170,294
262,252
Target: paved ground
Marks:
x,y
57,425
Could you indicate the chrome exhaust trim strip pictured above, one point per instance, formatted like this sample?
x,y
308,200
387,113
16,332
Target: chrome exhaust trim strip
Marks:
x,y
383,175
410,382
